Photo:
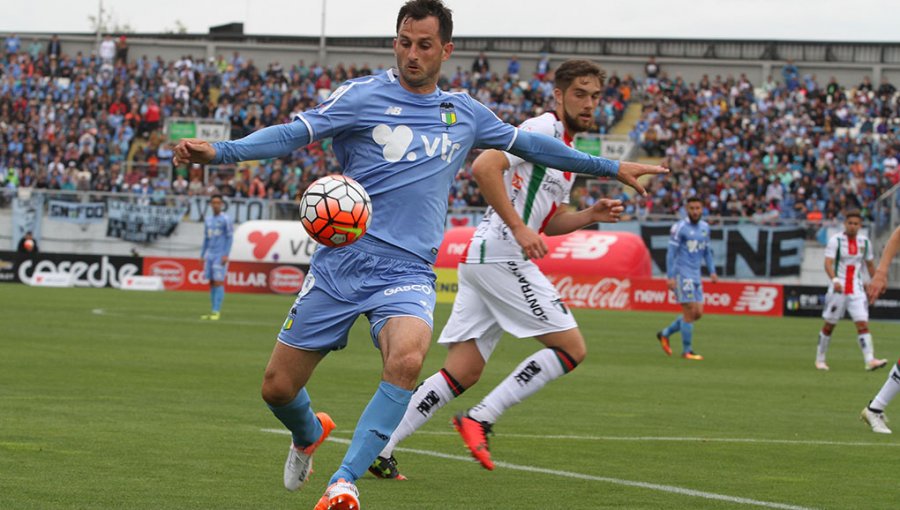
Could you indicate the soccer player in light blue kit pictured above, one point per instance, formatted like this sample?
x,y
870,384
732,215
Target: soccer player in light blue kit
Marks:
x,y
403,140
218,234
688,249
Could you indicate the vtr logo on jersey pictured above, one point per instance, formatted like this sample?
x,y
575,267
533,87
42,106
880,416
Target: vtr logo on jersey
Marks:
x,y
693,245
395,142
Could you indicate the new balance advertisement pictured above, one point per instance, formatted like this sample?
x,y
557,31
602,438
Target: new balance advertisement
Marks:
x,y
247,277
87,270
809,301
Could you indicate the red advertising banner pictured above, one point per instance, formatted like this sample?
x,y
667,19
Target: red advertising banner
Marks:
x,y
249,277
584,252
610,293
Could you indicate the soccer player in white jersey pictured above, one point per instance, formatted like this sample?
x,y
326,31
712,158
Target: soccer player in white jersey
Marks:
x,y
845,255
501,289
403,140
873,414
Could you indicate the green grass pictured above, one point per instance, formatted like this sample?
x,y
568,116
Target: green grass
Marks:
x,y
144,406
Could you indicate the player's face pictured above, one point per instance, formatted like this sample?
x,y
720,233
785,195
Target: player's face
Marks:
x,y
578,103
852,226
694,211
420,53
216,205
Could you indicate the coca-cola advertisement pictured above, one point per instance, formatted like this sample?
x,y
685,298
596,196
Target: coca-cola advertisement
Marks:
x,y
247,277
606,293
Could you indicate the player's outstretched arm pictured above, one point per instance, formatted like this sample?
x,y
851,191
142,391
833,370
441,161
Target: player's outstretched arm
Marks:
x,y
269,142
488,170
548,151
879,280
605,210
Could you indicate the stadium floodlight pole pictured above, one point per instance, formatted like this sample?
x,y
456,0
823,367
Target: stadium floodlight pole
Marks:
x,y
322,36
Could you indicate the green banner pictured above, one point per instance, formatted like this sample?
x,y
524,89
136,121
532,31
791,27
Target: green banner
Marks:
x,y
588,145
179,130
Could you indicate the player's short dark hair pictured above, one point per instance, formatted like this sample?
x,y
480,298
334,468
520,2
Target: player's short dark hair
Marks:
x,y
853,213
576,68
215,196
694,198
421,9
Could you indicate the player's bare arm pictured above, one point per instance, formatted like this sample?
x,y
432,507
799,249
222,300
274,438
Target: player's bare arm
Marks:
x,y
605,210
829,270
488,170
879,277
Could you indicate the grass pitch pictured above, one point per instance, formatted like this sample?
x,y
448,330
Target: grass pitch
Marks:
x,y
113,399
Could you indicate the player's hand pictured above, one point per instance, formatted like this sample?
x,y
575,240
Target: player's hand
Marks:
x,y
630,171
838,288
530,241
671,283
714,278
877,286
607,210
224,259
193,150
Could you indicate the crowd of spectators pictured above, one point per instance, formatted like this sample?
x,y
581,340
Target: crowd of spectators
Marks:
x,y
793,148
94,121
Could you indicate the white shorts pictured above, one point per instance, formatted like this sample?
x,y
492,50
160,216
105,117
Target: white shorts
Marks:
x,y
506,296
837,304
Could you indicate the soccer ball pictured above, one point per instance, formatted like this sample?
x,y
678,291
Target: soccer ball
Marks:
x,y
335,210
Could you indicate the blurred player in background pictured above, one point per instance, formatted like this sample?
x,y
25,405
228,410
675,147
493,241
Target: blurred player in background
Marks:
x,y
844,257
873,414
218,234
500,289
403,140
688,250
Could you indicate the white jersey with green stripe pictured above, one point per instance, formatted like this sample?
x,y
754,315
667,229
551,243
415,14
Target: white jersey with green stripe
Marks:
x,y
536,193
850,255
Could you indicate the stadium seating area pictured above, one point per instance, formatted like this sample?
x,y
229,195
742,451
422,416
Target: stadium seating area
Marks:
x,y
79,122
789,149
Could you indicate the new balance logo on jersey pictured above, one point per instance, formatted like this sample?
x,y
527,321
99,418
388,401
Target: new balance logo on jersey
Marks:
x,y
393,110
527,374
755,299
395,143
427,402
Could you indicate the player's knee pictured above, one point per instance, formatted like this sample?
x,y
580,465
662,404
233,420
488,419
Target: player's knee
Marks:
x,y
468,377
276,391
403,370
827,328
696,315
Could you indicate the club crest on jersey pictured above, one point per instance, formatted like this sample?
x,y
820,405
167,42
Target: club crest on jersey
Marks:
x,y
448,114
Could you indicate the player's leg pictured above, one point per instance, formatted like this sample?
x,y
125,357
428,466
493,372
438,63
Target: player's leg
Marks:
x,y
858,307
463,360
215,281
692,310
404,342
220,272
663,335
835,306
525,304
873,414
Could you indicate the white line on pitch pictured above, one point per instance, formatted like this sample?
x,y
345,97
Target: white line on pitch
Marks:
x,y
797,442
580,476
163,318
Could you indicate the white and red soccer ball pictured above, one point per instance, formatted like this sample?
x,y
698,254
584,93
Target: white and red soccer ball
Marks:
x,y
335,210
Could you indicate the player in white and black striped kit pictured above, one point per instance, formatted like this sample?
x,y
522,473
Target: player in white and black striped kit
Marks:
x,y
845,255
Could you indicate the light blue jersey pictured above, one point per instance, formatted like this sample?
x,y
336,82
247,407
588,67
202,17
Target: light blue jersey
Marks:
x,y
405,149
218,234
688,249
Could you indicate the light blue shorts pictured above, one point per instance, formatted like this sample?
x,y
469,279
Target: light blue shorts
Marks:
x,y
214,269
368,277
688,290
